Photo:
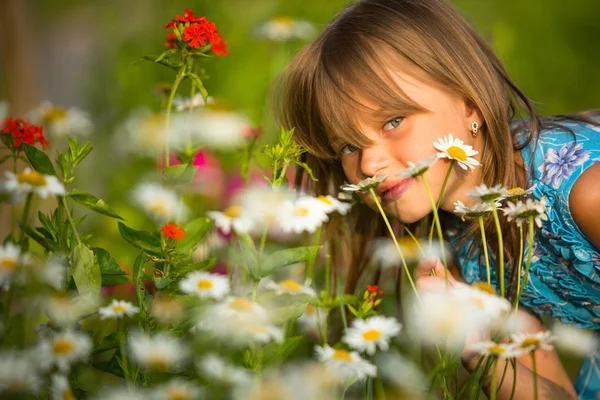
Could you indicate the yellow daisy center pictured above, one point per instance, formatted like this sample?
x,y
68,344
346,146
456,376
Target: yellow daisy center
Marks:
x,y
119,308
159,207
325,200
158,363
457,153
530,342
343,355
300,211
284,20
409,247
290,285
241,304
204,284
259,329
67,395
515,190
62,346
32,178
54,113
496,349
371,335
478,302
233,212
484,287
310,309
8,264
178,393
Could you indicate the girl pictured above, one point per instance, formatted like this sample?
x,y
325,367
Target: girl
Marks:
x,y
384,81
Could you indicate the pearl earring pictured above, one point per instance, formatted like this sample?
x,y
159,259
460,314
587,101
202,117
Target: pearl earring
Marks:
x,y
474,128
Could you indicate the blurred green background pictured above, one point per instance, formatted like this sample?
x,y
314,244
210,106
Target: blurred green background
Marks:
x,y
83,53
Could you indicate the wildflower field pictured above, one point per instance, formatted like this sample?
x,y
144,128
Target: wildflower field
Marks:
x,y
202,273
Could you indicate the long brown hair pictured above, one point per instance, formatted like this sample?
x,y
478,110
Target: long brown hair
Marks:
x,y
318,94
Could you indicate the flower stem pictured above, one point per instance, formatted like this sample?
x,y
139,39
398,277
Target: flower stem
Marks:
x,y
500,247
25,214
124,363
528,265
70,219
535,380
414,239
311,260
441,195
493,387
438,226
188,138
178,79
485,250
520,264
395,243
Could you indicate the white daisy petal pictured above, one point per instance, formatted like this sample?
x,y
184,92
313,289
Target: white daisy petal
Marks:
x,y
455,149
205,285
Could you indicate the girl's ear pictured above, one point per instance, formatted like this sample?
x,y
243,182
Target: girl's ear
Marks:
x,y
472,112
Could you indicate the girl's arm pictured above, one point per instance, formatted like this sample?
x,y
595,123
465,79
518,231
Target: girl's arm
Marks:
x,y
553,381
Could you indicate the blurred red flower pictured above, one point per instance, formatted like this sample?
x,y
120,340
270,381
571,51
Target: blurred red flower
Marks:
x,y
23,131
173,231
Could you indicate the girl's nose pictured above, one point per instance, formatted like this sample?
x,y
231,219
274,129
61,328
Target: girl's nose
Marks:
x,y
373,161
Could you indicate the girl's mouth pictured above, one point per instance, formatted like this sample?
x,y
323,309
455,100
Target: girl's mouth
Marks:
x,y
396,191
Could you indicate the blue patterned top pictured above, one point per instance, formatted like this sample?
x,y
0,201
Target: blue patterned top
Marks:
x,y
564,280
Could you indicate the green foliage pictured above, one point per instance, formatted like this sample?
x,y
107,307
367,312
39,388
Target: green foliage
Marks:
x,y
84,270
92,202
147,241
39,160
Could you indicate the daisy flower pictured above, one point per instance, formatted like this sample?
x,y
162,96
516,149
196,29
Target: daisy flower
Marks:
x,y
263,205
347,364
521,211
262,333
303,214
232,217
60,388
185,103
61,122
161,352
575,340
159,203
365,185
64,349
517,192
205,285
213,127
500,350
419,168
215,367
366,335
63,309
455,149
284,29
30,181
475,211
10,260
167,310
288,286
484,193
311,320
482,298
176,389
19,372
331,204
531,342
118,309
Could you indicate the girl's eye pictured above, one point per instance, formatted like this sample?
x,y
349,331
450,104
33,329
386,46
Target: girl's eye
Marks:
x,y
388,126
348,149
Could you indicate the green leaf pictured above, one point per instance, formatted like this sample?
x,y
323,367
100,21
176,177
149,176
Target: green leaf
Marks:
x,y
146,241
195,231
138,280
201,266
83,269
39,160
163,283
48,224
283,314
198,83
306,168
36,235
111,272
179,174
249,254
165,54
82,152
93,203
6,157
275,352
286,257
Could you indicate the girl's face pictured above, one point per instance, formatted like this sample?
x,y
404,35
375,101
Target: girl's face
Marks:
x,y
407,138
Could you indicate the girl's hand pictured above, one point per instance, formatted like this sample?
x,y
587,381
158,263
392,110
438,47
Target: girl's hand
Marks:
x,y
427,283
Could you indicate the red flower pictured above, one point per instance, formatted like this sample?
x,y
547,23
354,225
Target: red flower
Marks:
x,y
375,290
219,47
250,132
173,231
195,34
188,16
171,41
23,131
